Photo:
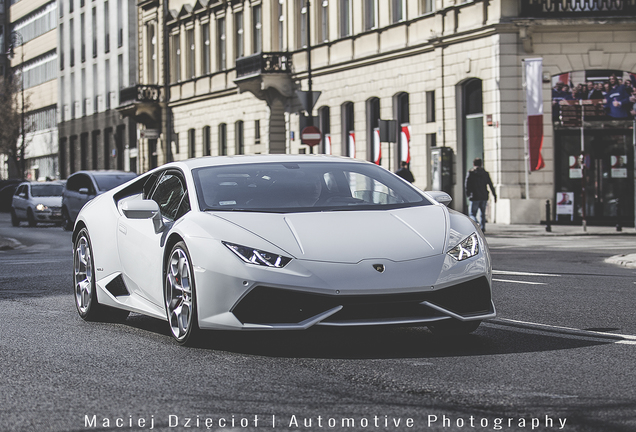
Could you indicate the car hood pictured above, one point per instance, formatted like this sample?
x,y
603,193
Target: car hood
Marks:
x,y
350,236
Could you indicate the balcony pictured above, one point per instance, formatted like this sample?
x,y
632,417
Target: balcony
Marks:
x,y
142,102
577,8
263,71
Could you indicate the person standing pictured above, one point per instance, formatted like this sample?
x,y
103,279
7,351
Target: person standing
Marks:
x,y
405,172
476,185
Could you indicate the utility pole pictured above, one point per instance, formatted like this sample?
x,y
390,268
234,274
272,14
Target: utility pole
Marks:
x,y
166,84
310,117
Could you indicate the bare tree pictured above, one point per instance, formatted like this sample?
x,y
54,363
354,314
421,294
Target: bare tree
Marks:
x,y
14,105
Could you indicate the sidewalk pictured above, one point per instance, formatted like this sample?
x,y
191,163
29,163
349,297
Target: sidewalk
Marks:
x,y
501,230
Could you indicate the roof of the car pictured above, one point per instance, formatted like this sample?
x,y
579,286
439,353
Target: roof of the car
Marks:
x,y
265,158
105,172
56,182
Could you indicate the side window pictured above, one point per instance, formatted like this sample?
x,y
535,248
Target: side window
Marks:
x,y
171,196
84,181
73,183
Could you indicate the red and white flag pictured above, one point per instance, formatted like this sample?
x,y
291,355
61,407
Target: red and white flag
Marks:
x,y
405,143
327,143
377,147
534,108
352,144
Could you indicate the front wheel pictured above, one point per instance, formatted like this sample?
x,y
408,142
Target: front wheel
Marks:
x,y
14,219
453,327
31,218
180,296
84,278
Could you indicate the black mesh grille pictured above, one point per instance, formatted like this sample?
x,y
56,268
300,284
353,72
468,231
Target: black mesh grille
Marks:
x,y
117,287
266,305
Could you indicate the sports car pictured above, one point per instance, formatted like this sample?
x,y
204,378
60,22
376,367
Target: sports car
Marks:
x,y
279,242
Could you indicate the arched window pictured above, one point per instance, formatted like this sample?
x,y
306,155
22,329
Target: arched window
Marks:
x,y
207,147
325,128
348,142
401,114
374,150
223,139
191,143
239,137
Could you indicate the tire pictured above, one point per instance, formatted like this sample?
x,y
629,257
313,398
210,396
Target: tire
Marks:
x,y
84,284
14,219
31,218
66,223
180,296
453,327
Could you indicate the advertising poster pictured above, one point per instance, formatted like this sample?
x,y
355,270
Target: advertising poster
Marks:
x,y
565,204
619,166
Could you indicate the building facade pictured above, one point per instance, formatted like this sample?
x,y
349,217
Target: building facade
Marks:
x,y
97,59
29,37
224,77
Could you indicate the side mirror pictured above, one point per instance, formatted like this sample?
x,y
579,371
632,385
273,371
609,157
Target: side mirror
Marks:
x,y
143,209
441,197
22,194
83,191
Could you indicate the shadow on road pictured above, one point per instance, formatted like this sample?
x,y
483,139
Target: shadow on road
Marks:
x,y
370,342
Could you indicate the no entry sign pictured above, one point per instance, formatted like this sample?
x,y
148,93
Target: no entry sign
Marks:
x,y
310,136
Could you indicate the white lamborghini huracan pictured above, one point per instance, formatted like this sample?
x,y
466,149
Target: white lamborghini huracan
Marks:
x,y
279,243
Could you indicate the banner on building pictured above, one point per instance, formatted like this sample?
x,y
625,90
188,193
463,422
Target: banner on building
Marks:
x,y
327,143
405,143
377,147
533,69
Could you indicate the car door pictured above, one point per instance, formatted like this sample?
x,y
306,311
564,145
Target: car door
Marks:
x,y
20,200
141,247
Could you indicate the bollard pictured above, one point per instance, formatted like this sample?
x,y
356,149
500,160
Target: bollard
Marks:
x,y
548,227
618,215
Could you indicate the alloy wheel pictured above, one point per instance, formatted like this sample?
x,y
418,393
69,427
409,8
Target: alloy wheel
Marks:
x,y
83,275
179,295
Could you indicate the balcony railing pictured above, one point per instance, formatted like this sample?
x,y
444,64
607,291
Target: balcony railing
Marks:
x,y
263,63
577,8
140,93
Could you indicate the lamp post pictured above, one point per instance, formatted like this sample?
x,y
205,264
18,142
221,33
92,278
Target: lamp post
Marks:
x,y
16,40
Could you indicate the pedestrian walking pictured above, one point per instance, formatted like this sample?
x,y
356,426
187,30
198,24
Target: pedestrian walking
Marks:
x,y
405,172
476,185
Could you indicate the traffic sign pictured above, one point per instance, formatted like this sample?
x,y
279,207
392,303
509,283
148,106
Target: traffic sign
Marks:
x,y
310,136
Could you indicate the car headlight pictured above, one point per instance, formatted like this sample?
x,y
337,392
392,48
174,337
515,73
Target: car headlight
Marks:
x,y
469,247
258,257
41,207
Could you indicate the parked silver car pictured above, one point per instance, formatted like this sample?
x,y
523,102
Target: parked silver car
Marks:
x,y
83,186
37,202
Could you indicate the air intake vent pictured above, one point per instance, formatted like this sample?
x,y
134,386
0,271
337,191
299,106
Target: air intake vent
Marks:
x,y
117,287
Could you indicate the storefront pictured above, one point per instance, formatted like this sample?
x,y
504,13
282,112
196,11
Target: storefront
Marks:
x,y
594,147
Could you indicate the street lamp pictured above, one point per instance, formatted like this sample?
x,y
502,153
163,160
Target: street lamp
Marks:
x,y
16,40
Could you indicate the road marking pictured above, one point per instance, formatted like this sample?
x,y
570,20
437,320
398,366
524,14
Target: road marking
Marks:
x,y
519,282
567,332
512,273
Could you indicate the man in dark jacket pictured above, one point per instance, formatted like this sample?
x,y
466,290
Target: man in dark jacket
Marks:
x,y
477,182
405,172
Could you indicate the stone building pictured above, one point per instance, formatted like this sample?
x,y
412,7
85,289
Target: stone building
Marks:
x,y
223,77
97,59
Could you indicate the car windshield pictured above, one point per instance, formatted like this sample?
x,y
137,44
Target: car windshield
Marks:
x,y
302,187
108,181
46,190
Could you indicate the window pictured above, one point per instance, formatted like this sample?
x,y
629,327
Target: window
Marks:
x,y
107,83
223,139
325,127
373,130
106,27
191,143
207,147
39,70
370,14
175,61
94,27
37,23
239,137
222,48
95,89
430,106
42,119
323,25
239,40
281,25
398,10
83,37
427,6
257,131
151,52
61,45
120,71
120,24
301,24
205,48
345,18
348,147
257,32
171,196
190,68
71,28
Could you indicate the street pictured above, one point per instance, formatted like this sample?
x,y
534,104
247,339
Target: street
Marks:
x,y
559,356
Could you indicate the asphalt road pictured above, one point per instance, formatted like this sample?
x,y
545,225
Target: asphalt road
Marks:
x,y
559,356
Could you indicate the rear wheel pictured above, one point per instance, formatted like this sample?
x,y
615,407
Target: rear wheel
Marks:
x,y
31,218
180,296
453,327
14,219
